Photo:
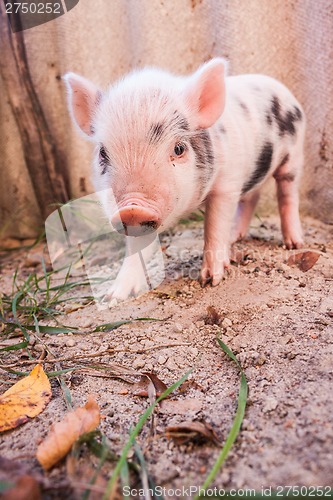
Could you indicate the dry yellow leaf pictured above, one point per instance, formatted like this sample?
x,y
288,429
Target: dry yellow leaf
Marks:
x,y
63,434
25,399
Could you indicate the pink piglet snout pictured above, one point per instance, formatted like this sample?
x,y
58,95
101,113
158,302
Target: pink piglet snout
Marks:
x,y
135,220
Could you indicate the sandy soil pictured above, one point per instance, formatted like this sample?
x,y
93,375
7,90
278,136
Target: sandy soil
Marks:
x,y
277,319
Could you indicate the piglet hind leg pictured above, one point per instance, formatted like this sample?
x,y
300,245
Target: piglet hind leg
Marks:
x,y
244,214
287,181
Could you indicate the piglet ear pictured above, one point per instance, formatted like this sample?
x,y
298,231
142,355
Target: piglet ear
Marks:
x,y
205,93
83,99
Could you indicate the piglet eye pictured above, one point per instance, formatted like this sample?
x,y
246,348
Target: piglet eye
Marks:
x,y
103,156
103,159
179,149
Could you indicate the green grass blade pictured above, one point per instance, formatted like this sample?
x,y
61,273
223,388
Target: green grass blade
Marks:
x,y
16,300
107,327
125,477
226,349
233,433
97,448
51,330
66,393
144,469
114,478
57,373
15,347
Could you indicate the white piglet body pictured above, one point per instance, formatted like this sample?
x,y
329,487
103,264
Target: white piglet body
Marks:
x,y
167,145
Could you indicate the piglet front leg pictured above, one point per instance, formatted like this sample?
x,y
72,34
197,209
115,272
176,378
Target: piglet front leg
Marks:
x,y
136,274
219,215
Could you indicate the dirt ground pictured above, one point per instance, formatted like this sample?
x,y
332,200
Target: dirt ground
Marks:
x,y
276,318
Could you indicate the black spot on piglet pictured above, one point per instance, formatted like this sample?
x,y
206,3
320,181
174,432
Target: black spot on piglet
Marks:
x,y
285,121
263,165
156,132
203,149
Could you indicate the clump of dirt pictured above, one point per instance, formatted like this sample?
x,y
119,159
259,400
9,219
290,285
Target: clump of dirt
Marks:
x,y
276,318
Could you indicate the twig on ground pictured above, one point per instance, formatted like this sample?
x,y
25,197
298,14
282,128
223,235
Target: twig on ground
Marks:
x,y
93,355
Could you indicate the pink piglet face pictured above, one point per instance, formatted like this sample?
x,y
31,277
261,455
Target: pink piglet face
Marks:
x,y
142,151
150,135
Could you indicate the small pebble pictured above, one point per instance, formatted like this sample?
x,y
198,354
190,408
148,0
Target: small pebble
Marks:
x,y
162,359
70,343
260,360
178,327
226,323
87,323
123,392
171,365
282,267
138,363
270,404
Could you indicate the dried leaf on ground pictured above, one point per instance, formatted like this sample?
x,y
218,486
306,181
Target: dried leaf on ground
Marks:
x,y
192,431
26,488
25,399
63,434
188,385
148,382
212,317
303,260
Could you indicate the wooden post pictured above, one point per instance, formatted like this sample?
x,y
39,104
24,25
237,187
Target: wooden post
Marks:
x,y
47,174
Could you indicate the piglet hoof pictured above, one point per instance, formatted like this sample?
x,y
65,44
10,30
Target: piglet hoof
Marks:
x,y
294,243
129,283
212,274
212,280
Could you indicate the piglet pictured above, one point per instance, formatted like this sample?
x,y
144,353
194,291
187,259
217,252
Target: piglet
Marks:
x,y
168,144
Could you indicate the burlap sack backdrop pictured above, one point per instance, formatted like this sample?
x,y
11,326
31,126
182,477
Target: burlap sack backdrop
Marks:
x,y
42,158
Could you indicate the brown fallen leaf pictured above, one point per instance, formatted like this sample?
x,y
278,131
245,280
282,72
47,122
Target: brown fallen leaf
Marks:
x,y
192,431
188,385
25,399
149,383
304,260
63,434
212,317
